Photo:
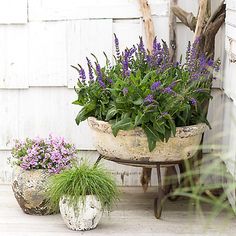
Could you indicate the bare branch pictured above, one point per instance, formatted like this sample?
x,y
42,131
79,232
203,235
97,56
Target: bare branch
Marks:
x,y
148,23
186,18
172,33
201,18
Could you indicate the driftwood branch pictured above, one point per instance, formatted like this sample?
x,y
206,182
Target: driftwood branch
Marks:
x,y
150,34
172,33
186,18
148,23
201,18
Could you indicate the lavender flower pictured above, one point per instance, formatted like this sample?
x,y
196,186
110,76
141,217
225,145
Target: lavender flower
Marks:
x,y
155,85
125,91
149,99
90,70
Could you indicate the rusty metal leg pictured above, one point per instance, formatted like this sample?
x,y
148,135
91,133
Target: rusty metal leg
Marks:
x,y
160,195
98,160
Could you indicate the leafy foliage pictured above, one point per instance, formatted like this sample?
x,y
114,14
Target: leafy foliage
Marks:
x,y
80,181
145,89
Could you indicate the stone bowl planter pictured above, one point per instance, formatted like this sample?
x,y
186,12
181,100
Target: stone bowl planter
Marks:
x,y
132,145
82,216
29,188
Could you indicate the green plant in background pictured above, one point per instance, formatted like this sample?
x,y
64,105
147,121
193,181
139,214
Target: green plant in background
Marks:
x,y
211,190
83,180
145,89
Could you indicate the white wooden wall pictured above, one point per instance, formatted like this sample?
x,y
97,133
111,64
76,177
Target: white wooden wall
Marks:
x,y
40,39
229,86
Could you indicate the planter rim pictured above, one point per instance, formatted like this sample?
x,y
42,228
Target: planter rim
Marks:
x,y
184,131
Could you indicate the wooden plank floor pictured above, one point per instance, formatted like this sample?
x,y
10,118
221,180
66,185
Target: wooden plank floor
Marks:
x,y
133,215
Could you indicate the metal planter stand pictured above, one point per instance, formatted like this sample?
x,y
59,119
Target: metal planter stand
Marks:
x,y
162,193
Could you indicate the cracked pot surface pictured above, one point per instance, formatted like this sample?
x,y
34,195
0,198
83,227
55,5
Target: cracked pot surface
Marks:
x,y
84,215
29,188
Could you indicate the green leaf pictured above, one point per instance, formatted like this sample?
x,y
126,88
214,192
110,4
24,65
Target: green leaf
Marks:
x,y
85,112
77,102
159,127
167,134
139,101
138,119
123,124
172,126
111,113
152,136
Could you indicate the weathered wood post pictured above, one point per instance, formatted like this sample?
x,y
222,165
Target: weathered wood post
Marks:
x,y
150,34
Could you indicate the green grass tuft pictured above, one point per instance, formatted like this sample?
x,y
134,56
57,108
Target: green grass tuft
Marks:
x,y
83,180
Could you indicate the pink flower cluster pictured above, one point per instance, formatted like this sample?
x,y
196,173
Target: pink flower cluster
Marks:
x,y
52,153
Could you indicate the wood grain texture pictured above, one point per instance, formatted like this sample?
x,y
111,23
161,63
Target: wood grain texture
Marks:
x,y
51,10
133,215
148,23
200,18
47,54
14,56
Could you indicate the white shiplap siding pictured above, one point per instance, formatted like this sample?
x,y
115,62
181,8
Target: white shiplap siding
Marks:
x,y
36,80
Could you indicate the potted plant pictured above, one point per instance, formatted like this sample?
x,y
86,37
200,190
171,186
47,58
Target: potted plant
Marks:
x,y
36,160
144,107
83,193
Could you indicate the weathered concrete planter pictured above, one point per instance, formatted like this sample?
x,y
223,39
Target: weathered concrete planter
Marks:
x,y
132,144
82,216
29,188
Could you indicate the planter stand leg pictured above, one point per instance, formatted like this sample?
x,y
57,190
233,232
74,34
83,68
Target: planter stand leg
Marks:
x,y
98,160
160,195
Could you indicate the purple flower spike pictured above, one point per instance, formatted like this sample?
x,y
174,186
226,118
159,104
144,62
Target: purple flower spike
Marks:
x,y
141,45
125,91
193,101
90,69
117,47
167,90
82,74
149,99
99,72
155,85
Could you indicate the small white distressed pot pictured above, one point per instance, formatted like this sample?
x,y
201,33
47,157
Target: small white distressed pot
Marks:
x,y
132,145
83,215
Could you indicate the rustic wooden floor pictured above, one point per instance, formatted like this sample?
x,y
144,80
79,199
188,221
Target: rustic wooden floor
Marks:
x,y
132,216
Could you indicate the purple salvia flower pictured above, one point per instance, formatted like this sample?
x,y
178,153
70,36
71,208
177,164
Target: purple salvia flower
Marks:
x,y
149,99
155,85
125,63
117,47
110,81
90,70
141,45
193,101
125,91
167,90
101,83
99,72
82,74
